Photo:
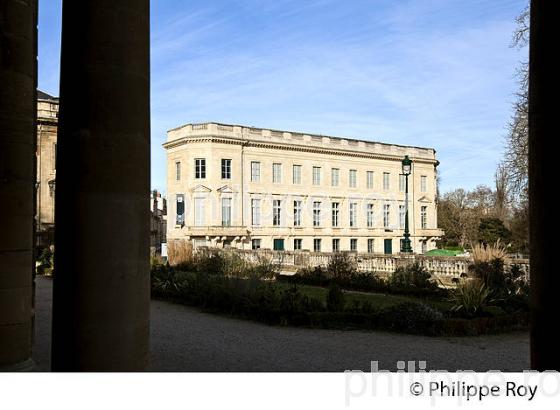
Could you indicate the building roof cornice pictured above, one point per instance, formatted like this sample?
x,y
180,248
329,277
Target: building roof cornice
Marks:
x,y
287,146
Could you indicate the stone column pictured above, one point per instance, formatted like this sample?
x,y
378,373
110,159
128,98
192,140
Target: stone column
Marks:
x,y
17,157
543,182
101,284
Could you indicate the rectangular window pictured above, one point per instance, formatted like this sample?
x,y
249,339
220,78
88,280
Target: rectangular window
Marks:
x,y
386,181
335,176
424,246
423,183
199,212
402,183
353,214
255,244
316,175
353,245
334,214
226,211
276,212
370,215
255,212
226,168
298,244
386,215
402,216
277,173
200,168
177,171
352,178
336,245
316,245
180,201
296,174
278,244
316,213
297,213
424,217
255,171
369,177
370,245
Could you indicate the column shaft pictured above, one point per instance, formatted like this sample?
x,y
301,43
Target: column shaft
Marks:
x,y
101,285
544,70
17,155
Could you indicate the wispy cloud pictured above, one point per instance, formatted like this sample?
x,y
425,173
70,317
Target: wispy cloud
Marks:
x,y
435,73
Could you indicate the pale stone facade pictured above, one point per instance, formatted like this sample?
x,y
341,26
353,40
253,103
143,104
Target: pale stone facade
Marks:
x,y
231,185
47,125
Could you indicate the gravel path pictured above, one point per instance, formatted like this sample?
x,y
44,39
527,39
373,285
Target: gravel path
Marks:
x,y
185,339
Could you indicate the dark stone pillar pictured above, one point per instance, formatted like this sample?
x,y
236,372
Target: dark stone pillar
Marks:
x,y
101,285
18,61
544,70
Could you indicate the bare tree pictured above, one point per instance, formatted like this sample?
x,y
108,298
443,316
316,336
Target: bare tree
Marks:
x,y
516,162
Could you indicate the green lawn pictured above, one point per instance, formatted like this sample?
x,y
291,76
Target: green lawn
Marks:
x,y
379,300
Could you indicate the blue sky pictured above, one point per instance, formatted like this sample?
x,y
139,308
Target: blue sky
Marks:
x,y
437,73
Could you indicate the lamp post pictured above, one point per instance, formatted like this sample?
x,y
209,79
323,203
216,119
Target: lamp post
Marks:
x,y
406,170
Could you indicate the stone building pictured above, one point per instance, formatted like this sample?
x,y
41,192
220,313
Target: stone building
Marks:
x,y
158,221
47,125
253,188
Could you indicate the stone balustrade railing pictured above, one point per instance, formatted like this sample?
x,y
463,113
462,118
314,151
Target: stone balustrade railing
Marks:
x,y
441,266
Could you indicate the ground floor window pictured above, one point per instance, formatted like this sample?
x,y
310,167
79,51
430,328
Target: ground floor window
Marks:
x,y
354,245
370,245
336,245
256,244
424,246
316,245
278,244
297,244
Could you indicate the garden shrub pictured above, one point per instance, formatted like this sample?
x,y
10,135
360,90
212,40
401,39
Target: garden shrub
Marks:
x,y
335,299
412,276
470,298
412,317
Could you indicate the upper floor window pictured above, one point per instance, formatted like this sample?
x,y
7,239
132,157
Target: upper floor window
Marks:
x,y
386,215
423,183
297,213
255,212
200,168
226,168
276,173
335,211
370,215
386,181
424,217
369,178
335,176
352,178
316,213
402,182
296,174
226,211
255,171
316,175
353,214
276,212
177,171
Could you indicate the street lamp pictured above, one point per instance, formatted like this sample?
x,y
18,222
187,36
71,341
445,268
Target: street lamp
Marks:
x,y
406,170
